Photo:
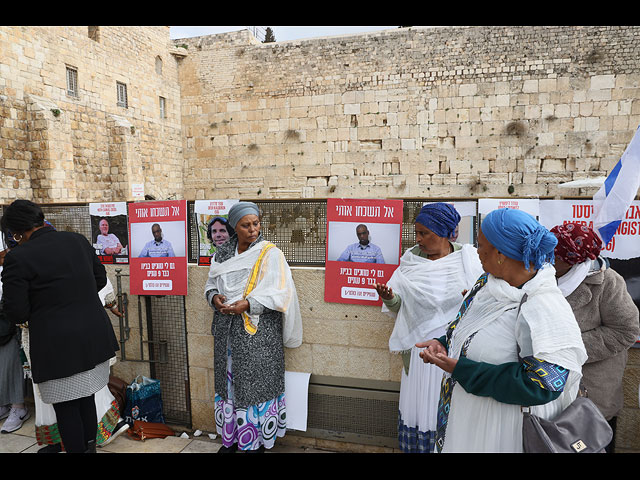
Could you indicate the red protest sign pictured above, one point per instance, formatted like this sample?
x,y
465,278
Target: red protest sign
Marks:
x,y
158,248
363,248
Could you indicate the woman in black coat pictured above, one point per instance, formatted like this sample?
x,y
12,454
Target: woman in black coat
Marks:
x,y
51,280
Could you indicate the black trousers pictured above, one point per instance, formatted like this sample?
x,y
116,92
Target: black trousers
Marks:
x,y
77,423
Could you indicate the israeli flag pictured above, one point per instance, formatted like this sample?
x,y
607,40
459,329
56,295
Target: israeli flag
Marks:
x,y
611,202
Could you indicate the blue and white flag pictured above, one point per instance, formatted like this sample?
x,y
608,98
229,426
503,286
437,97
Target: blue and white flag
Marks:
x,y
611,202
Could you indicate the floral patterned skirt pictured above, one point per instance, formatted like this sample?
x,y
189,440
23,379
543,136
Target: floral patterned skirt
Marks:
x,y
250,427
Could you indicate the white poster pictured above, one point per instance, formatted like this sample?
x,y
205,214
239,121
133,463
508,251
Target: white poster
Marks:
x,y
213,229
465,231
529,205
624,245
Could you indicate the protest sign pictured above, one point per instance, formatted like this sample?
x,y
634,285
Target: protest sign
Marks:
x,y
158,253
213,230
363,248
109,233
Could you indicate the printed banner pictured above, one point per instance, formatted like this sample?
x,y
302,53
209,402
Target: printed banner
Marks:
x,y
364,241
624,245
158,253
213,230
109,233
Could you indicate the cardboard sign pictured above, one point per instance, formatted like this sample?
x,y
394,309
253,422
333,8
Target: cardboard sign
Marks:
x,y
109,232
211,217
158,253
363,248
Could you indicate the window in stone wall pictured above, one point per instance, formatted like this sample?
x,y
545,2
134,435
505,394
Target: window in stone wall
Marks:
x,y
122,94
94,33
72,81
159,65
163,107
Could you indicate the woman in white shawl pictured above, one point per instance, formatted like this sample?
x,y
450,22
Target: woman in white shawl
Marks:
x,y
514,343
256,315
423,295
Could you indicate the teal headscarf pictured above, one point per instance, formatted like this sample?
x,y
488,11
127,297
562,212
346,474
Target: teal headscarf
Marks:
x,y
519,236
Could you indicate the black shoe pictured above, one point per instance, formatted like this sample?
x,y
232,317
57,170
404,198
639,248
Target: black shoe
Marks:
x,y
260,449
231,449
91,447
55,448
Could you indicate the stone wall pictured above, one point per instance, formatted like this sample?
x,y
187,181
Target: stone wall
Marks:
x,y
57,147
410,113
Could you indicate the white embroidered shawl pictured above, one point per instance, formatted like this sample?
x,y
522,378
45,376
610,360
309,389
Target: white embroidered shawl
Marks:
x,y
431,293
274,288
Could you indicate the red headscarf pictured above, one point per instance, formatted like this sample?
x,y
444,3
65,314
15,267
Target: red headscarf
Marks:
x,y
576,243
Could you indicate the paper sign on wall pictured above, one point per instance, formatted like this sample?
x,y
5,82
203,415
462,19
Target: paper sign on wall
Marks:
x,y
363,248
624,245
213,231
158,252
109,232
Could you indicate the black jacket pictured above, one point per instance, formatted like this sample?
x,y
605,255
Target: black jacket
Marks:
x,y
52,282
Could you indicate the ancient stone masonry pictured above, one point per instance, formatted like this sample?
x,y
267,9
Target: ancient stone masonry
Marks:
x,y
64,137
438,112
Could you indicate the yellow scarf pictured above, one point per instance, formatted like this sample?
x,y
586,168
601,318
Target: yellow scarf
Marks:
x,y
254,277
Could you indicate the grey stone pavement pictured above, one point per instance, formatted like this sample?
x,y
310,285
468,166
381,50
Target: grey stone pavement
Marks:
x,y
24,441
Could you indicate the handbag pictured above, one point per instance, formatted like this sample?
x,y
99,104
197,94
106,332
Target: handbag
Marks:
x,y
118,389
145,430
580,428
144,401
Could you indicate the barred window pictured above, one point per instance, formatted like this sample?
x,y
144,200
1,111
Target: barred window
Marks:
x,y
72,81
163,107
122,94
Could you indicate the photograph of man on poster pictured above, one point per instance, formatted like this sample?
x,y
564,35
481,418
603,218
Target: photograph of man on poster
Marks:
x,y
107,243
363,251
159,246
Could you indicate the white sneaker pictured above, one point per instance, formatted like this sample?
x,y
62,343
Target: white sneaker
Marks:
x,y
4,411
17,416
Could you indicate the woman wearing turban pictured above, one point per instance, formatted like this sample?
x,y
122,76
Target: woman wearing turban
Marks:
x,y
423,295
606,315
514,343
256,315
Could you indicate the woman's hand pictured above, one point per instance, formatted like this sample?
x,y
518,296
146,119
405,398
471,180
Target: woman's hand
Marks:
x,y
384,291
219,302
236,308
435,353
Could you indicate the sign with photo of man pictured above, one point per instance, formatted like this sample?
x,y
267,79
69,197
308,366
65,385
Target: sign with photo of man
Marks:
x,y
158,253
363,248
109,233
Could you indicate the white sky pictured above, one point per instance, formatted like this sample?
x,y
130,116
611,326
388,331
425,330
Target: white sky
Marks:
x,y
281,33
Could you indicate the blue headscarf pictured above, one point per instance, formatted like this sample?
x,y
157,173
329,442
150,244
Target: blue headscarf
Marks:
x,y
241,209
441,218
519,236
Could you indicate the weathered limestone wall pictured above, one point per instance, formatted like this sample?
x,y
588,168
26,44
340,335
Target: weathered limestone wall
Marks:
x,y
444,112
55,147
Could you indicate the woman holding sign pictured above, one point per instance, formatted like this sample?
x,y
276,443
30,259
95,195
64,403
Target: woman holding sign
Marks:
x,y
256,315
423,295
514,342
606,314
